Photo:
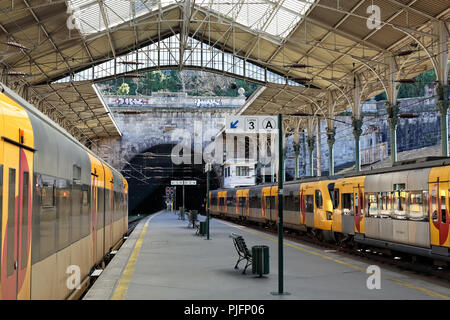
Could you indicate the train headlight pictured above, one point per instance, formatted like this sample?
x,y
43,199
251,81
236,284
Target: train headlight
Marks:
x,y
329,215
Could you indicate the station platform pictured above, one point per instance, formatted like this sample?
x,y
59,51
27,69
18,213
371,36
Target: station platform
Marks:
x,y
163,259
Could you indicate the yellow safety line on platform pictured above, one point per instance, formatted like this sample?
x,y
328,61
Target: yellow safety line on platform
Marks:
x,y
426,291
122,287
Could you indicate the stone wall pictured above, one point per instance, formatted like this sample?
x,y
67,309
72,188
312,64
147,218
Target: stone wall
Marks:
x,y
143,129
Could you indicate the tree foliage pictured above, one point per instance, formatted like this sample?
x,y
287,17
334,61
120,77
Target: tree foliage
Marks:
x,y
194,83
411,90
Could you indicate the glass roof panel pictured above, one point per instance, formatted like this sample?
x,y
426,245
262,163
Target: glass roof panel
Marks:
x,y
89,18
276,17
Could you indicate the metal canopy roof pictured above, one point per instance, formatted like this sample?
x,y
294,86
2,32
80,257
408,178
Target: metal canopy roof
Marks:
x,y
331,39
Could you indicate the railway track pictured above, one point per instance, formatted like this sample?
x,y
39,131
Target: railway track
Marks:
x,y
397,260
134,222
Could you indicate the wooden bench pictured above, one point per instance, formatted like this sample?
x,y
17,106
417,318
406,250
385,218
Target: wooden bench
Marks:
x,y
242,250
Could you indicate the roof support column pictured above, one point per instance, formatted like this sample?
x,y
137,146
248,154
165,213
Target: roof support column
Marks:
x,y
311,141
357,120
296,154
319,143
331,133
442,78
392,106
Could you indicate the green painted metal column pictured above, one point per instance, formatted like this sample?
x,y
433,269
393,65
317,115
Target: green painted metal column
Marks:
x,y
280,209
392,111
331,133
357,131
442,104
208,169
311,141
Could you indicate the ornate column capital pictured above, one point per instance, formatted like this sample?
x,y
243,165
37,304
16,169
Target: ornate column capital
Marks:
x,y
357,127
331,133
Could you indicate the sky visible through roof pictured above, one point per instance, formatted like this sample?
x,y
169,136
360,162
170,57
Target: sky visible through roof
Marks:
x,y
275,17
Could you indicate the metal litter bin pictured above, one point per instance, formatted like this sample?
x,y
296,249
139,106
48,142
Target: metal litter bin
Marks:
x,y
260,260
202,228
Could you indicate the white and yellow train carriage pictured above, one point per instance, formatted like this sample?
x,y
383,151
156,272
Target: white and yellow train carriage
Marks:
x,y
61,206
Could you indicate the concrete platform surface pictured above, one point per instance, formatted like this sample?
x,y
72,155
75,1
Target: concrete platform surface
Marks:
x,y
164,259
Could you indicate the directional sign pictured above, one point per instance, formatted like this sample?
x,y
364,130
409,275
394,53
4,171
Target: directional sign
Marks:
x,y
185,182
251,124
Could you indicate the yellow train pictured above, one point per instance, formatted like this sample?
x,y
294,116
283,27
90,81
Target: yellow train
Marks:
x,y
401,209
62,209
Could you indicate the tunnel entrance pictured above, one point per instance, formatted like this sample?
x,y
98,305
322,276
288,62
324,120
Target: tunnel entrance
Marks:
x,y
150,172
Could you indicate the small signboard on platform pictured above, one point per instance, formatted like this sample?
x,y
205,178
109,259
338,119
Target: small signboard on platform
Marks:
x,y
251,124
183,182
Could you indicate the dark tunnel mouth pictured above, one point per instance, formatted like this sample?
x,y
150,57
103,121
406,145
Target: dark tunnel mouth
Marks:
x,y
148,195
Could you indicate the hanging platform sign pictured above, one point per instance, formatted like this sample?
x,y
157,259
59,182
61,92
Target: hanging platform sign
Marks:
x,y
251,124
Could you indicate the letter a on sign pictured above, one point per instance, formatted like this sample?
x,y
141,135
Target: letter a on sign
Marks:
x,y
269,124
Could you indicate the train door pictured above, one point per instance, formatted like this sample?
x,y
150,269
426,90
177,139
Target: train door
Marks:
x,y
439,212
241,206
16,246
94,207
302,208
358,207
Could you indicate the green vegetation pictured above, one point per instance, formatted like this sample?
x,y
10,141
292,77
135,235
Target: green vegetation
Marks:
x,y
194,83
411,90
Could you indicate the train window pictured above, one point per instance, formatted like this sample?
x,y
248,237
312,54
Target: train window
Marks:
x,y
400,204
417,205
296,203
347,203
85,211
11,221
434,204
230,201
371,205
221,203
385,204
288,201
25,210
356,203
309,203
335,198
48,195
318,198
63,207
443,210
107,207
76,212
101,208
